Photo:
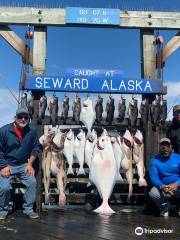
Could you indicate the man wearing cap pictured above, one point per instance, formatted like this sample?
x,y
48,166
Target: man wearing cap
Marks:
x,y
164,172
19,147
173,132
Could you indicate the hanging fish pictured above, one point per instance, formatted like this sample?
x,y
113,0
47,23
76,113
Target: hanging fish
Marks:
x,y
87,114
163,110
30,105
144,111
110,108
69,150
42,108
53,110
155,112
99,110
65,109
122,109
24,100
76,108
103,172
89,147
79,148
119,155
138,157
133,112
126,162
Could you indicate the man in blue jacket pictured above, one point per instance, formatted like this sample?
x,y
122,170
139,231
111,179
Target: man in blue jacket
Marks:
x,y
164,173
19,147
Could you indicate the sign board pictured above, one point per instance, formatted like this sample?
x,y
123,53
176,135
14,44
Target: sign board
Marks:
x,y
103,16
94,84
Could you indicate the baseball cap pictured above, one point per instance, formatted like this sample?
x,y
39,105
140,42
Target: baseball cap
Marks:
x,y
21,111
176,108
165,140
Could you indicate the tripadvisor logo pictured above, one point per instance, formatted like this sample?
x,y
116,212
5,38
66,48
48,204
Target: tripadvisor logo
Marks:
x,y
139,231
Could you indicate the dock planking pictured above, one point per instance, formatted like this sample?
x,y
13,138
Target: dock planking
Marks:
x,y
72,222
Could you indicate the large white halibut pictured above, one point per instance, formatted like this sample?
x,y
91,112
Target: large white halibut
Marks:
x,y
89,148
126,163
69,150
103,172
87,114
119,155
138,157
79,147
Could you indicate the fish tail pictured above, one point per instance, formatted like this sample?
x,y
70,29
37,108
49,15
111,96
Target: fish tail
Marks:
x,y
119,177
142,182
70,171
81,171
104,209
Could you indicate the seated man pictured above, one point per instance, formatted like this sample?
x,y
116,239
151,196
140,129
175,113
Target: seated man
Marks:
x,y
164,174
19,148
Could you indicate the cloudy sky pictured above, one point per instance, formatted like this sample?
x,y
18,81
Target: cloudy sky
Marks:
x,y
92,48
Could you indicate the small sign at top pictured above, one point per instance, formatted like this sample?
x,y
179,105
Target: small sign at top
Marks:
x,y
105,16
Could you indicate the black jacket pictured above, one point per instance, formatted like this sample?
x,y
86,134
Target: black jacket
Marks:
x,y
173,134
16,152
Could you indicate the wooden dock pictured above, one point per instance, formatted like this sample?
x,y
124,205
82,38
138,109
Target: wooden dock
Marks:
x,y
73,222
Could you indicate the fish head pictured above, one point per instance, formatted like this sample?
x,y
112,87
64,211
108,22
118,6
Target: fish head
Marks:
x,y
138,138
70,135
81,135
128,139
102,142
87,102
43,99
47,138
122,100
113,140
104,133
59,139
93,136
66,99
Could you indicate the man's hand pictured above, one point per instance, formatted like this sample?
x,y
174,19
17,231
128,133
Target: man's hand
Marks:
x,y
173,187
5,172
29,170
164,188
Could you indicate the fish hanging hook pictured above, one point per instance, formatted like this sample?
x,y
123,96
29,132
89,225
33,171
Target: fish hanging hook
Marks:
x,y
54,94
87,95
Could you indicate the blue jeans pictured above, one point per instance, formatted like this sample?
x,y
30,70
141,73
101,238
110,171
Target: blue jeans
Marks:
x,y
5,187
161,200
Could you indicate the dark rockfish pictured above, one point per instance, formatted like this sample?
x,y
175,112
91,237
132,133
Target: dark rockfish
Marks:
x,y
144,111
99,110
65,109
76,108
155,112
30,105
42,108
163,110
24,100
122,109
110,108
53,110
133,112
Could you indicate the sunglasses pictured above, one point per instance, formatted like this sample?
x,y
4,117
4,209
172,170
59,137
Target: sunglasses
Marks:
x,y
23,116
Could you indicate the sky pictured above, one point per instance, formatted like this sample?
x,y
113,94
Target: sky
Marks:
x,y
92,48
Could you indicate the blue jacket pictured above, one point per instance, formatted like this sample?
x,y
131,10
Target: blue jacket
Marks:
x,y
15,152
164,171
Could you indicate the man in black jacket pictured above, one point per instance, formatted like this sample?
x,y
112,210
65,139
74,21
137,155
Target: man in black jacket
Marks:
x,y
174,131
19,148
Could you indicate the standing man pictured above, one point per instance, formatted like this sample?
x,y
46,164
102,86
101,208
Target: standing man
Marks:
x,y
164,174
174,131
19,147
